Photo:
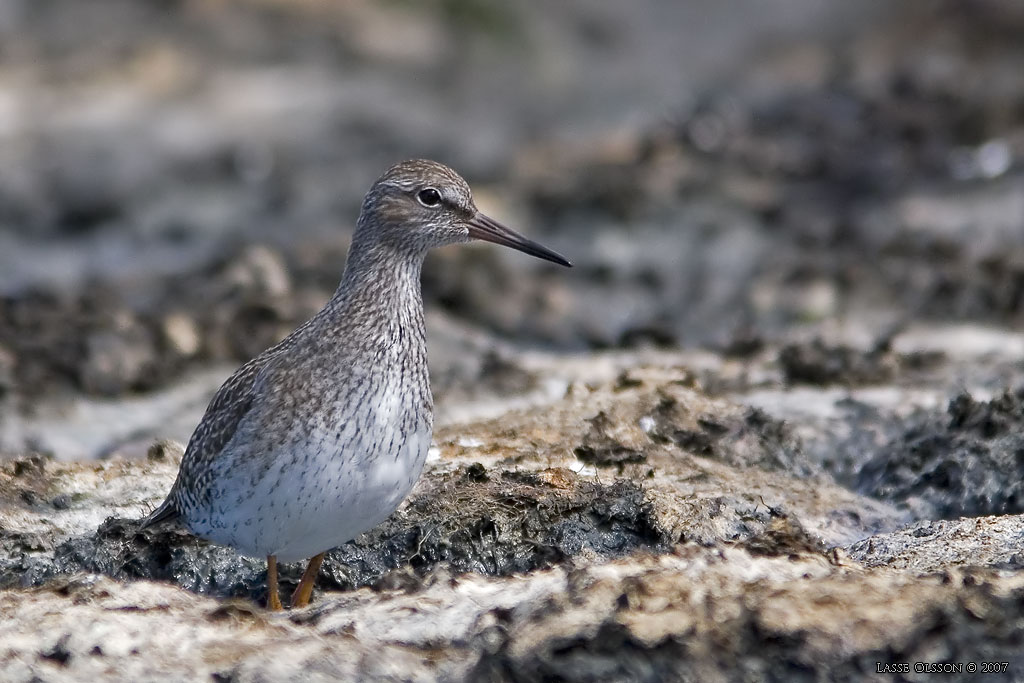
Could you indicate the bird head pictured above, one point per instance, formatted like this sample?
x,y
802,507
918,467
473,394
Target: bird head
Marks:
x,y
417,205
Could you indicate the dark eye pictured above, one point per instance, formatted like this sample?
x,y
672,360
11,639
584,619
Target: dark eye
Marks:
x,y
429,197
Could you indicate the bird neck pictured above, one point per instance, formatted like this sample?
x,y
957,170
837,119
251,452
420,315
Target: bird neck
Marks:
x,y
380,286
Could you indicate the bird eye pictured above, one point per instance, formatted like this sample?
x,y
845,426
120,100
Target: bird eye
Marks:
x,y
429,197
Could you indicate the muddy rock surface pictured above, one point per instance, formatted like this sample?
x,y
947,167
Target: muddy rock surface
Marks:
x,y
698,614
955,464
768,428
718,549
502,497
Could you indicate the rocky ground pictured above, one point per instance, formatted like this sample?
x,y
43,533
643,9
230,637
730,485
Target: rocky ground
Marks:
x,y
634,529
771,427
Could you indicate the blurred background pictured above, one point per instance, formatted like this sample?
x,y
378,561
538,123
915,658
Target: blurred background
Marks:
x,y
179,180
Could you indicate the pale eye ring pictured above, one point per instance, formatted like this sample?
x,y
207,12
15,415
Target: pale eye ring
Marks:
x,y
429,197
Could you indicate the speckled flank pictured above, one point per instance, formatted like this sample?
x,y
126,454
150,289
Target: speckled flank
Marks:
x,y
321,437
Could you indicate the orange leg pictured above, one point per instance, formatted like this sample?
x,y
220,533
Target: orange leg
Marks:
x,y
273,598
300,598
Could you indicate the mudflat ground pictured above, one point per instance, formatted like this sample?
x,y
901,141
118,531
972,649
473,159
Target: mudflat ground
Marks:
x,y
770,427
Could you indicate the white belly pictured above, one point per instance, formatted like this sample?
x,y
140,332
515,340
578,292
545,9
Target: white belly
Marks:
x,y
326,486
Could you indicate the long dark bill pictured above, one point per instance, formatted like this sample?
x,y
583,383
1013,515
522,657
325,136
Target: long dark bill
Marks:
x,y
482,227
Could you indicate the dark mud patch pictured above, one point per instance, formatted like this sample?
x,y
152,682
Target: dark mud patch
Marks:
x,y
965,462
502,523
749,439
821,364
600,448
783,535
649,417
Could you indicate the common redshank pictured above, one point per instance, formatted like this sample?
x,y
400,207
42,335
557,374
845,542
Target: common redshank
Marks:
x,y
320,437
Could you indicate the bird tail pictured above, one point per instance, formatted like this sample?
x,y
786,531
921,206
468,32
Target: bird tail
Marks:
x,y
166,512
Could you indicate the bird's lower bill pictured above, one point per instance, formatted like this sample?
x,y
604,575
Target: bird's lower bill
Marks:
x,y
484,228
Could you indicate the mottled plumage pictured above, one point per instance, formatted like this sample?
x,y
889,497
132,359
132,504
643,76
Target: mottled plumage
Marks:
x,y
320,437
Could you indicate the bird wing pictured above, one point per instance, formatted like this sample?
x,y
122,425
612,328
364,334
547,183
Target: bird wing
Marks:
x,y
228,408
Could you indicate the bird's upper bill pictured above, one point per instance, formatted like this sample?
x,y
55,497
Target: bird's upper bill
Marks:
x,y
485,228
